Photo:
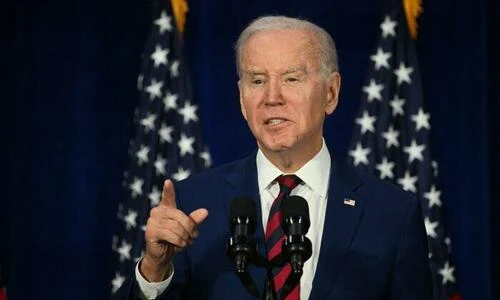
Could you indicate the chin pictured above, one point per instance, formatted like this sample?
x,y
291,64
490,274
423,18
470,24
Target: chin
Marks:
x,y
277,146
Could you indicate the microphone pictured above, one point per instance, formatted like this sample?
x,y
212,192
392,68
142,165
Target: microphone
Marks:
x,y
241,247
296,248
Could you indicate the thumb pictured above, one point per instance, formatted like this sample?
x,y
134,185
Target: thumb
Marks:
x,y
199,215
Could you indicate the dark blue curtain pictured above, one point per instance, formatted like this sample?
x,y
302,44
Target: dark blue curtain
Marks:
x,y
68,90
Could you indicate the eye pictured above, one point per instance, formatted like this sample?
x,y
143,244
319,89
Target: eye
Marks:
x,y
257,81
291,79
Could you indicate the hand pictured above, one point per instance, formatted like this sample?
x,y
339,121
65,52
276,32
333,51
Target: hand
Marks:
x,y
168,231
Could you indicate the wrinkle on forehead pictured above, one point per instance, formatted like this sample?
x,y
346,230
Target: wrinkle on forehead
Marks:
x,y
285,47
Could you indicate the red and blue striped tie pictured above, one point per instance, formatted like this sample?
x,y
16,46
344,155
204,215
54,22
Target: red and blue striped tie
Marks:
x,y
275,236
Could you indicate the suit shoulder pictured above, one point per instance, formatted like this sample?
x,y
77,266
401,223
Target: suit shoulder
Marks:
x,y
214,173
384,190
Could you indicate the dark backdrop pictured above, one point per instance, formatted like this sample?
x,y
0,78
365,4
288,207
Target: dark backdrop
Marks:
x,y
68,75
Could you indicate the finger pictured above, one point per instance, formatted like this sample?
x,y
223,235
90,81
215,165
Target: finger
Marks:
x,y
168,194
167,231
198,216
175,219
171,237
177,228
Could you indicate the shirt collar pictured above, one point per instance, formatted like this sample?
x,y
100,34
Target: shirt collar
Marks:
x,y
315,173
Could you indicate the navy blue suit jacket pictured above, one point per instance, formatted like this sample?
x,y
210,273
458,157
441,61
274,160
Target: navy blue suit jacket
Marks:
x,y
376,249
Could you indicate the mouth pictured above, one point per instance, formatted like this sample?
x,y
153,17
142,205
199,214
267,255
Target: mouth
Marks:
x,y
274,121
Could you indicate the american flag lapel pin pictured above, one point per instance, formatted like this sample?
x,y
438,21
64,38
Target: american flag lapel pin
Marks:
x,y
350,202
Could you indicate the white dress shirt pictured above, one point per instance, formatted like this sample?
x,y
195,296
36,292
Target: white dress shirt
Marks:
x,y
315,176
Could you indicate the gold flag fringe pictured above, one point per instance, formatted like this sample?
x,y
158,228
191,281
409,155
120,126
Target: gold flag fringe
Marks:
x,y
180,8
413,9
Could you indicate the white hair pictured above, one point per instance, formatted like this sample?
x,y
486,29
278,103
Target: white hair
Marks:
x,y
325,44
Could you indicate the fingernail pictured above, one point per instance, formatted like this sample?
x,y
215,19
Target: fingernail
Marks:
x,y
196,233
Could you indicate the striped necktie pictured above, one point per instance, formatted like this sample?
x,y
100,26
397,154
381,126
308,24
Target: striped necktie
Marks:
x,y
275,236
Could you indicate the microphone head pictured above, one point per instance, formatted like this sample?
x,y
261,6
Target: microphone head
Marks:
x,y
242,208
295,207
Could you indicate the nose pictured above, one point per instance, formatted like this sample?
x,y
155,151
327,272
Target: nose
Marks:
x,y
274,93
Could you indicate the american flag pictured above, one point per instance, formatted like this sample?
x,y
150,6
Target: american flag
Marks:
x,y
167,142
392,135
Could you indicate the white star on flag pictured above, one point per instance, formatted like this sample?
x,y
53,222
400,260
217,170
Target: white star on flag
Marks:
x,y
385,168
414,151
433,196
207,160
366,122
160,163
174,68
434,165
154,89
430,227
373,90
166,133
360,154
160,56
408,182
149,122
154,196
117,282
181,174
186,144
447,273
124,251
388,27
164,22
142,155
421,119
397,106
136,187
170,101
403,73
381,59
130,219
391,137
188,112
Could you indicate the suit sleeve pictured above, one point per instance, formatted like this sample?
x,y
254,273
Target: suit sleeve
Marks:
x,y
130,289
177,288
411,278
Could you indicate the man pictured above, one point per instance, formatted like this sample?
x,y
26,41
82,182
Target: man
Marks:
x,y
368,237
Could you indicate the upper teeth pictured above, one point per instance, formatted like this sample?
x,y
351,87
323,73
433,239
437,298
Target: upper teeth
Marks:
x,y
275,121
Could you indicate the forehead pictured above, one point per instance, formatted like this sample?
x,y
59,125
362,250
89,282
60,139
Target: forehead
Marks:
x,y
281,48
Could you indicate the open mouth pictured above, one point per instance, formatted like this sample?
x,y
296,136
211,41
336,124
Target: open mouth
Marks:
x,y
274,122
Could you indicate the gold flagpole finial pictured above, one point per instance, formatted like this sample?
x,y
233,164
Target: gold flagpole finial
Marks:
x,y
413,9
180,9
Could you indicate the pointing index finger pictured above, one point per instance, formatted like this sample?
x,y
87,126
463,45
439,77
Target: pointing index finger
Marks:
x,y
168,194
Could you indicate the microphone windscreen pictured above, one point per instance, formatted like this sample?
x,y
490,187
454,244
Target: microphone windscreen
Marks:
x,y
295,206
242,207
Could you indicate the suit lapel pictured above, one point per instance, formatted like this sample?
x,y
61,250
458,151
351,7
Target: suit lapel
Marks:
x,y
340,225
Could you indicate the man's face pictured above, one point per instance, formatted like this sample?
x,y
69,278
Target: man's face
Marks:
x,y
283,95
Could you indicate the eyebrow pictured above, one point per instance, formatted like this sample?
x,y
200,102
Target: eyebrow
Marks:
x,y
290,70
295,69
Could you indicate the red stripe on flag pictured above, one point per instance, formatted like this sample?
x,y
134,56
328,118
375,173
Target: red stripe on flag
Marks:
x,y
3,294
455,297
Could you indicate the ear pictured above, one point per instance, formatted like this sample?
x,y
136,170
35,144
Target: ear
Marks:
x,y
242,107
333,86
